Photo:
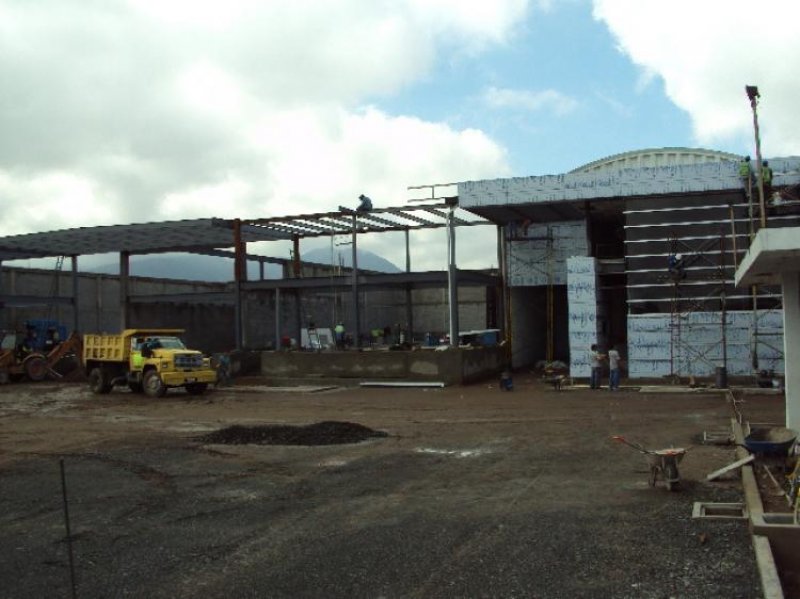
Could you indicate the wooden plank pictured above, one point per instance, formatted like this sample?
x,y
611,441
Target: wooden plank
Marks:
x,y
729,467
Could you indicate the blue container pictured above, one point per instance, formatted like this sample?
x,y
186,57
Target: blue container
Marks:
x,y
506,382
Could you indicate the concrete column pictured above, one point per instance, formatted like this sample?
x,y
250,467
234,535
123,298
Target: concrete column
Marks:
x,y
791,346
124,291
75,306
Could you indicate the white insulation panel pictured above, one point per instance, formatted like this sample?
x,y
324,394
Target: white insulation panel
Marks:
x,y
626,182
692,344
582,314
539,252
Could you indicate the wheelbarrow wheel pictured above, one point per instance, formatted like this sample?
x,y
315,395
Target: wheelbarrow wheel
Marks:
x,y
671,476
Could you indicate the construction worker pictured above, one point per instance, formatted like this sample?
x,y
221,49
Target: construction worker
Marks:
x,y
365,205
745,172
338,332
675,266
766,178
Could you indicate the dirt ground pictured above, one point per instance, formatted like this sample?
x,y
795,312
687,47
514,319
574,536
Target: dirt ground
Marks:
x,y
473,492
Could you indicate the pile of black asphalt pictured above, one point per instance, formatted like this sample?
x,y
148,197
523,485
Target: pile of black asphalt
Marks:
x,y
320,433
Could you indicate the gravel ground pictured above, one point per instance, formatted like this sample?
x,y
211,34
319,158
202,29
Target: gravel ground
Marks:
x,y
472,493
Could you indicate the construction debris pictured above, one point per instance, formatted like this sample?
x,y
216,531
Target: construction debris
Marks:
x,y
737,464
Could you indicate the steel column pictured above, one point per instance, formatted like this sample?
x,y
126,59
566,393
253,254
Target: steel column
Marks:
x,y
124,290
452,277
409,302
356,311
75,307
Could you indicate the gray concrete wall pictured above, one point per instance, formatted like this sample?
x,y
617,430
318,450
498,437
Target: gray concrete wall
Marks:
x,y
210,326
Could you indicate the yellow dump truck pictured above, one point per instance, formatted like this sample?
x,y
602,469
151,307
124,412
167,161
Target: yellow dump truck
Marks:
x,y
149,360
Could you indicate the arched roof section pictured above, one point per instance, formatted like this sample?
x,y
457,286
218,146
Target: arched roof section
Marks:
x,y
656,157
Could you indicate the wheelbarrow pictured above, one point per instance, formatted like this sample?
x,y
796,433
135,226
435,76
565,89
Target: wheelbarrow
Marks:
x,y
663,463
775,441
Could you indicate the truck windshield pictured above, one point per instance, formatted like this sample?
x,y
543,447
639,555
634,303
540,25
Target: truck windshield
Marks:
x,y
168,343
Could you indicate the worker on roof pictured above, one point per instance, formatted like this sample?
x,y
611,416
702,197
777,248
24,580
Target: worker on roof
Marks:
x,y
365,204
766,178
745,171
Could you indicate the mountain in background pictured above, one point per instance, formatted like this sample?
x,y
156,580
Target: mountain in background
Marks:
x,y
366,260
193,267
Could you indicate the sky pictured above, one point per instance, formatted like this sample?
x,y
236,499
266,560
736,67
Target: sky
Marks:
x,y
122,111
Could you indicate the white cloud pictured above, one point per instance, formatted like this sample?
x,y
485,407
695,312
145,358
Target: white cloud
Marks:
x,y
551,100
138,110
706,52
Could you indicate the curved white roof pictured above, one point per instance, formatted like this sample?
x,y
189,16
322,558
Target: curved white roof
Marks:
x,y
656,157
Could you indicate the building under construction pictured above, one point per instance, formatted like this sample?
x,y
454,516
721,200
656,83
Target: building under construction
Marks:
x,y
639,251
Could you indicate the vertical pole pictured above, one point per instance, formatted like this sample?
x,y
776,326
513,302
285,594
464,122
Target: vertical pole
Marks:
x,y
237,282
723,303
2,305
761,203
75,307
409,304
277,318
298,315
501,304
296,256
356,313
124,292
452,277
69,532
98,302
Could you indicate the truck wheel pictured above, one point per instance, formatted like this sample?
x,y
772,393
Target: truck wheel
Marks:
x,y
98,381
196,388
153,385
35,368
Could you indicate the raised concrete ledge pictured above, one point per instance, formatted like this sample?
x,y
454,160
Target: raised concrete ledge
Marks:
x,y
451,366
772,252
769,536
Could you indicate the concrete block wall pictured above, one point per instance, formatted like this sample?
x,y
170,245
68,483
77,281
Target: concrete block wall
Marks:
x,y
211,325
207,326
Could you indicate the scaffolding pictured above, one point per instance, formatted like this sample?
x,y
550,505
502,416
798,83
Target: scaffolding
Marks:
x,y
704,316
